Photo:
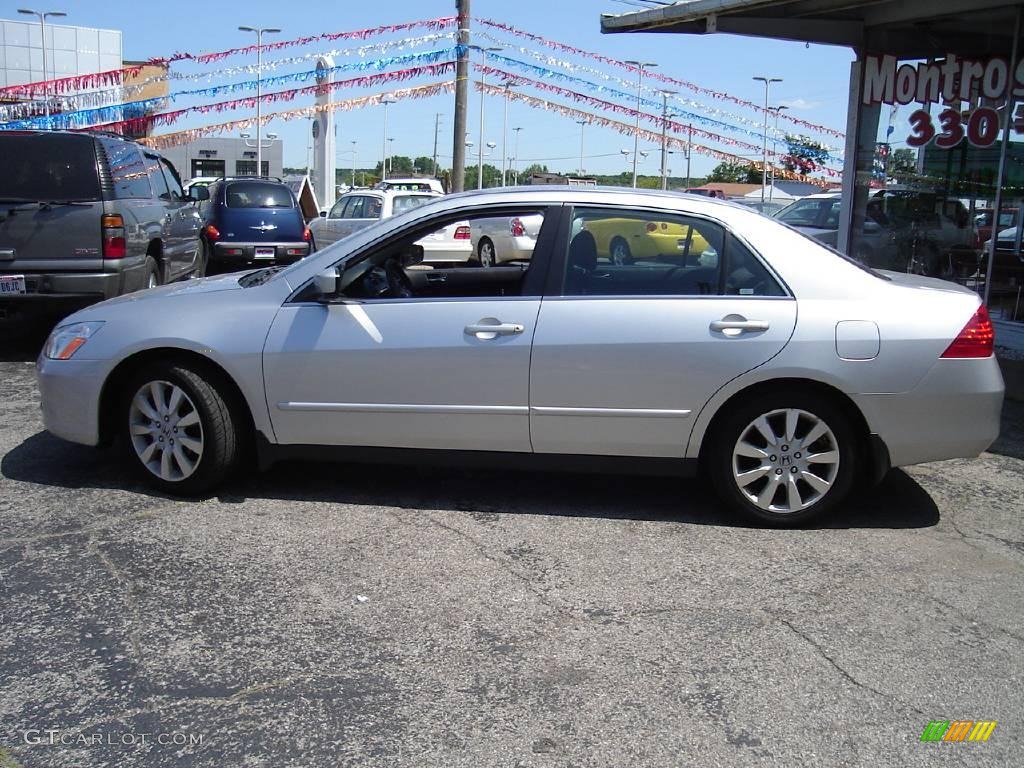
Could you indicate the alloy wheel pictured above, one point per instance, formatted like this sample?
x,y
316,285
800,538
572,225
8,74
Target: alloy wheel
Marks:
x,y
785,461
486,254
620,253
166,430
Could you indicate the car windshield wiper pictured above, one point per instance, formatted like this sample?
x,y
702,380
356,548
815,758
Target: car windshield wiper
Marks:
x,y
16,200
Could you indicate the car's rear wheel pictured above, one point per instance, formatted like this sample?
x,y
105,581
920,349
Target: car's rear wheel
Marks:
x,y
202,259
485,253
784,459
178,429
620,252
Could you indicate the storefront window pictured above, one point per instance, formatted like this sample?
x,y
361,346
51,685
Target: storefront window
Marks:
x,y
929,145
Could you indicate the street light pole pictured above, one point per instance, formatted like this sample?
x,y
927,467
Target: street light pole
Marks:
x,y
259,89
480,137
504,135
640,67
664,137
581,124
689,153
385,100
764,147
437,127
43,16
353,163
515,172
775,136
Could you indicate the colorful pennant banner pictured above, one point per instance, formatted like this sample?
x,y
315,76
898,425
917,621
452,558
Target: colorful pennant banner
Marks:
x,y
652,136
184,137
555,45
116,77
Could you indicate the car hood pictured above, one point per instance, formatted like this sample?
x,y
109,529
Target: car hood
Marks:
x,y
188,287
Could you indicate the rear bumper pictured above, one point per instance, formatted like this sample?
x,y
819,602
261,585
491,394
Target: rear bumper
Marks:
x,y
245,253
954,412
66,290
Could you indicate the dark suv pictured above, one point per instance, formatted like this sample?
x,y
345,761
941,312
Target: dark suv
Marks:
x,y
85,217
251,220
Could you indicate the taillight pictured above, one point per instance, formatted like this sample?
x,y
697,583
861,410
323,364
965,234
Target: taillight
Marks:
x,y
307,235
212,233
516,228
977,339
462,233
112,228
652,227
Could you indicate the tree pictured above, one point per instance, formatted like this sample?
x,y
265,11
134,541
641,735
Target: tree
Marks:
x,y
532,169
803,155
424,165
902,161
735,173
492,176
398,165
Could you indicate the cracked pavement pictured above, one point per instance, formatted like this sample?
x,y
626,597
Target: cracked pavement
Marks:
x,y
324,615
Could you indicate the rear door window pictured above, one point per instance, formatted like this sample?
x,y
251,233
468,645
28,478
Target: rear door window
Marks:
x,y
258,194
48,167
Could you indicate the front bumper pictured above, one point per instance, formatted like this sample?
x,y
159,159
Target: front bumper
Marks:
x,y
954,412
245,253
69,395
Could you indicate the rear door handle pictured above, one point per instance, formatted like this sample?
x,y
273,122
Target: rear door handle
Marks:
x,y
734,327
493,330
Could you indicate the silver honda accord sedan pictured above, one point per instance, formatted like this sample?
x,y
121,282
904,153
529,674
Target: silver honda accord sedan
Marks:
x,y
727,342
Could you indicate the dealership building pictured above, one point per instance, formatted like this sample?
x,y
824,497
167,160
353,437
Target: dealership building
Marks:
x,y
950,73
225,157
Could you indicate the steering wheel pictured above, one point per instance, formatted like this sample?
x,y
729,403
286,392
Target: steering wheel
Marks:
x,y
399,285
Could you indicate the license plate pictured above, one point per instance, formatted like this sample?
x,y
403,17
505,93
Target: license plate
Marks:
x,y
12,284
265,253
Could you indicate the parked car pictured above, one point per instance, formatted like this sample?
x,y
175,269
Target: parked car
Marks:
x,y
249,220
804,376
703,192
85,217
818,216
627,240
1008,218
767,208
357,210
509,238
413,184
200,181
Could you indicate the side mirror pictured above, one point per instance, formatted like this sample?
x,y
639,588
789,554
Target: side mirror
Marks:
x,y
198,194
323,214
412,256
327,284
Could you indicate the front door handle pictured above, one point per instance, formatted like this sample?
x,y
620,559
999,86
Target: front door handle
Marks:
x,y
734,325
491,330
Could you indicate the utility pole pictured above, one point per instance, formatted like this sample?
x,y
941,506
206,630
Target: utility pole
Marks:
x,y
581,124
664,137
437,126
689,153
775,136
640,67
461,97
764,148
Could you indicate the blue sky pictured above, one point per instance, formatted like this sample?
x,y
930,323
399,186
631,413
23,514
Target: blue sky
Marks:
x,y
815,78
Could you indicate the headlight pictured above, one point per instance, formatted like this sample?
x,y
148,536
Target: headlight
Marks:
x,y
68,339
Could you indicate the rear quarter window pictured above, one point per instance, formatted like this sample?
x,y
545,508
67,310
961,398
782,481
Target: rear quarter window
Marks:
x,y
39,166
128,171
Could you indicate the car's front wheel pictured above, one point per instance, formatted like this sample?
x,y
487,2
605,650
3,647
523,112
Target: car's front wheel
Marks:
x,y
784,459
485,253
178,429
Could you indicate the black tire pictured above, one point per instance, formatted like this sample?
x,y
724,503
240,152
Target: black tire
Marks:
x,y
482,260
202,259
735,424
151,274
219,429
619,251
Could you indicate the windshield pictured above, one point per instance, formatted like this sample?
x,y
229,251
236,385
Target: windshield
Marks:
x,y
258,194
403,203
48,167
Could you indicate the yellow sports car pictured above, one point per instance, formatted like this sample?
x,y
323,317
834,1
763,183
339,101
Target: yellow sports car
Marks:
x,y
623,241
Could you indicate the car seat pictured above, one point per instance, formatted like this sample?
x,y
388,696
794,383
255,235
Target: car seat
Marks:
x,y
581,264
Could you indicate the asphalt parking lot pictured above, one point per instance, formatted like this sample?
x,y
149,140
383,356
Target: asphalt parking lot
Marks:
x,y
326,615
